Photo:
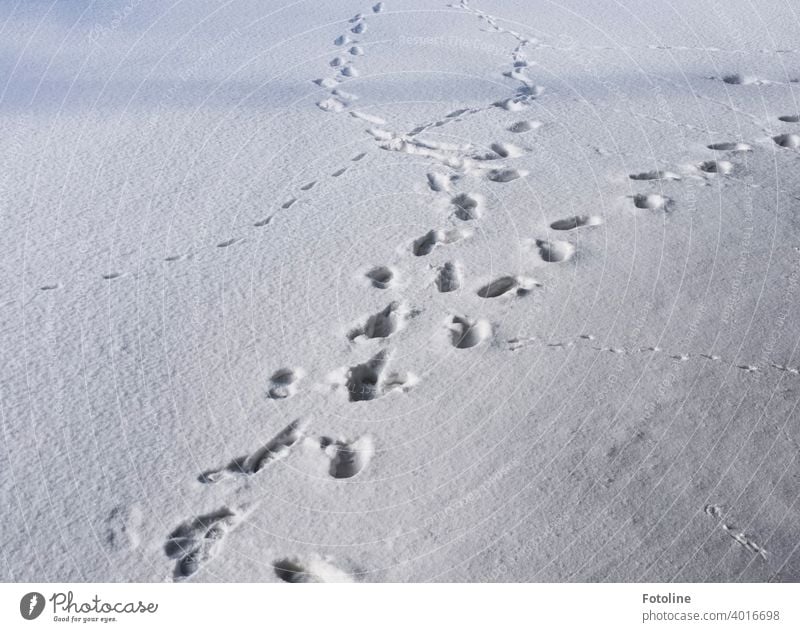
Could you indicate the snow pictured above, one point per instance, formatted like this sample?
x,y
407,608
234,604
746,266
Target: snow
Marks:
x,y
488,291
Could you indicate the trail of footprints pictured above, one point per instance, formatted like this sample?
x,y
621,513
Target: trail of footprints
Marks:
x,y
197,541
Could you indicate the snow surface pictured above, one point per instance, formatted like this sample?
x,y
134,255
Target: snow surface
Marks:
x,y
498,291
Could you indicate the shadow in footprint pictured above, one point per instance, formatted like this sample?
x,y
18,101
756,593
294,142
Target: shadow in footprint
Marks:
x,y
283,383
196,542
555,251
577,221
789,141
348,458
520,286
314,570
449,278
275,449
381,277
730,147
468,206
652,201
382,324
370,380
466,333
424,245
655,175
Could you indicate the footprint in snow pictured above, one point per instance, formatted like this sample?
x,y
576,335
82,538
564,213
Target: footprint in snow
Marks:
x,y
312,570
283,383
449,277
439,182
371,380
347,458
382,324
331,104
229,242
468,206
655,175
275,449
722,167
789,141
519,286
122,528
466,333
198,541
652,201
381,277
737,79
555,251
736,147
576,221
520,127
424,245
506,175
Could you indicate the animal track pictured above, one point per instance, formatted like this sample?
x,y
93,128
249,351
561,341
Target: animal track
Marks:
x,y
652,201
283,383
331,104
449,277
790,141
655,175
369,381
790,118
507,285
513,104
439,182
468,205
288,203
506,175
555,251
715,511
348,458
722,167
520,127
504,150
424,245
381,277
466,333
740,80
122,528
382,324
577,221
731,147
196,542
311,571
229,242
369,118
326,82
263,222
275,449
